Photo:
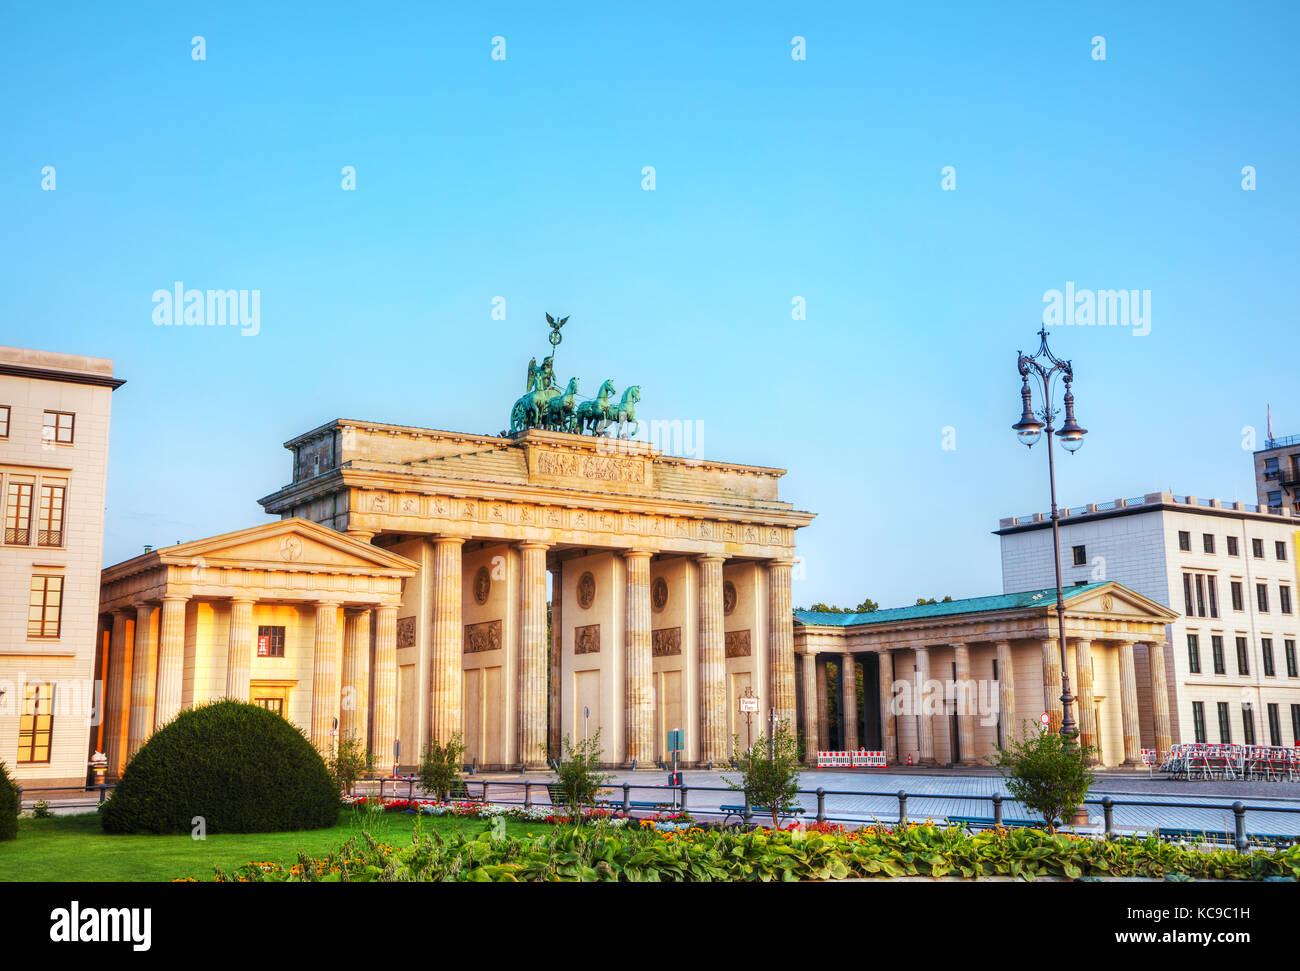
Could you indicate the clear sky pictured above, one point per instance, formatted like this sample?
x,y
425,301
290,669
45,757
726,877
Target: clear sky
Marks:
x,y
775,178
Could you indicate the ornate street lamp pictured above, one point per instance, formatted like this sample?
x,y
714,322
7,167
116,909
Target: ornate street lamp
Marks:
x,y
1046,366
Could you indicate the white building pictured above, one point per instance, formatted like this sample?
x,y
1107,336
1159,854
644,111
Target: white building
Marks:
x,y
54,412
1230,571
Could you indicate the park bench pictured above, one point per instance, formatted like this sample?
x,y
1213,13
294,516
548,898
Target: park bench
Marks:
x,y
789,812
986,822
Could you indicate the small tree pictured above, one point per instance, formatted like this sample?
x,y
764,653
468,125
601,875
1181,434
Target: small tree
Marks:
x,y
440,768
350,761
577,775
1048,774
8,805
769,772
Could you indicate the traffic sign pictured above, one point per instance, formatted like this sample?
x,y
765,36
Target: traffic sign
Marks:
x,y
749,704
676,740
1044,719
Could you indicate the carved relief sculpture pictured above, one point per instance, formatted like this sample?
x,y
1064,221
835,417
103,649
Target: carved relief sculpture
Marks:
x,y
586,640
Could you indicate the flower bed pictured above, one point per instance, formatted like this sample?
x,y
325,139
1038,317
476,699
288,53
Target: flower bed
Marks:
x,y
644,853
481,810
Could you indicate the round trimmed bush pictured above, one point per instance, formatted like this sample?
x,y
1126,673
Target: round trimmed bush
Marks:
x,y
240,767
8,805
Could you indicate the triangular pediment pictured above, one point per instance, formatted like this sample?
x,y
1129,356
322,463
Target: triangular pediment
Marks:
x,y
288,544
1116,600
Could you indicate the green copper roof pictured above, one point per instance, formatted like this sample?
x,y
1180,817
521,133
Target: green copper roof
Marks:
x,y
972,605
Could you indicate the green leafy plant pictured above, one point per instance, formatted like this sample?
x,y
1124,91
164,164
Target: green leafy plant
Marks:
x,y
440,766
1046,773
578,779
769,771
9,800
42,810
239,768
350,761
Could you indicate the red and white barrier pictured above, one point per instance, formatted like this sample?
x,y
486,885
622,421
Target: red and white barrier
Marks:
x,y
861,759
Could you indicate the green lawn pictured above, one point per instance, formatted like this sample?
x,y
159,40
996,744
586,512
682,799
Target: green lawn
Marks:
x,y
75,848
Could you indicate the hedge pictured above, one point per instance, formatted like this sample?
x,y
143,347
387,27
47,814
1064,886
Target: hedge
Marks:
x,y
239,768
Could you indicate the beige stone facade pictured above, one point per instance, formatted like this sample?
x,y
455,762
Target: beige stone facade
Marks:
x,y
670,585
954,681
54,418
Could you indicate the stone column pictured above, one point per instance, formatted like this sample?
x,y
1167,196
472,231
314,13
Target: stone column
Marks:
x,y
1052,686
239,648
117,705
1087,711
144,681
888,732
1007,695
446,675
384,712
1128,700
553,742
355,697
1160,696
926,721
533,680
325,678
849,701
823,707
965,717
780,639
639,699
810,708
171,660
713,663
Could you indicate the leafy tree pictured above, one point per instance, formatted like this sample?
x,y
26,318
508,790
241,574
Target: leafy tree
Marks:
x,y
578,778
350,761
866,607
8,805
1048,774
769,772
921,601
440,766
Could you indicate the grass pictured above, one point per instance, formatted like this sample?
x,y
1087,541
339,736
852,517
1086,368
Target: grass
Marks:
x,y
75,848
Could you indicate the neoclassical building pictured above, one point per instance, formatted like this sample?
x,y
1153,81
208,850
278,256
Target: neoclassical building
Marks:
x,y
949,683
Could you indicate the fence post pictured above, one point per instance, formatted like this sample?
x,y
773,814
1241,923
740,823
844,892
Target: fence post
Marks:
x,y
410,788
821,804
684,789
485,785
1108,812
749,810
528,795
381,788
627,798
997,809
102,789
902,808
1239,811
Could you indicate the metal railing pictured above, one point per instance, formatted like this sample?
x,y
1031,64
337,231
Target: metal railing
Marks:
x,y
101,790
676,799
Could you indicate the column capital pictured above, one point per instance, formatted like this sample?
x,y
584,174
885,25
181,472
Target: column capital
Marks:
x,y
444,539
786,561
176,598
325,604
532,544
709,558
243,600
637,553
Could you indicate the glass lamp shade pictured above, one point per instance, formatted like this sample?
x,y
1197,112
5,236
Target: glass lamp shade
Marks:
x,y
1028,428
1029,434
1071,433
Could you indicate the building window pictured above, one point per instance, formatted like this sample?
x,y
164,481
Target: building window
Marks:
x,y
45,606
1212,586
1261,594
18,514
1193,654
1184,541
1266,648
1216,649
58,427
1232,546
1187,595
4,421
1243,660
1257,548
36,724
1274,725
270,642
49,520
1295,724
1279,547
1284,598
1238,598
1288,648
1225,726
271,704
1207,541
1198,720
1080,555
1275,498
1247,724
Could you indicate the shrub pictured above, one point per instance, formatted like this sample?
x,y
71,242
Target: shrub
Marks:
x,y
440,767
8,805
238,767
349,762
1048,774
769,771
42,810
578,779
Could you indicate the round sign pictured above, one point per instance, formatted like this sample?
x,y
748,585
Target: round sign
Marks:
x,y
1043,718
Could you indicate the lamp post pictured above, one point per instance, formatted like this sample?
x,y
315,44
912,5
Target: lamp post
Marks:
x,y
1046,366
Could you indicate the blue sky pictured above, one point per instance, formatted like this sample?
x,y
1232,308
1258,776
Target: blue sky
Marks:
x,y
775,178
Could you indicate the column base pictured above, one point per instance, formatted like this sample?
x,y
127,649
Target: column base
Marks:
x,y
967,764
1132,764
